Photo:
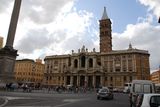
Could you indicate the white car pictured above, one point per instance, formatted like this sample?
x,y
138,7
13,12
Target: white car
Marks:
x,y
148,100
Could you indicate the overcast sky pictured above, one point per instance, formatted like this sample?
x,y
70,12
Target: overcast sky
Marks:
x,y
50,27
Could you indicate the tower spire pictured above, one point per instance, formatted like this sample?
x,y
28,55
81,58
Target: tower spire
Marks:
x,y
105,33
130,46
104,16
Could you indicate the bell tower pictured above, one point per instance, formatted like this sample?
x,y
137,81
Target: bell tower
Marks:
x,y
105,33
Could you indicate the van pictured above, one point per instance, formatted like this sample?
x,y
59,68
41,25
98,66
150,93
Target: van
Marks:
x,y
140,87
127,87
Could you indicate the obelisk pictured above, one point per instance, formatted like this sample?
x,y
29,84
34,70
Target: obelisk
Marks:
x,y
8,54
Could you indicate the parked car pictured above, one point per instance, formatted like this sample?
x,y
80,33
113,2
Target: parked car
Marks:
x,y
104,93
140,87
148,100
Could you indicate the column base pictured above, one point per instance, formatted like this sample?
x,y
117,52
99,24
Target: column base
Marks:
x,y
7,62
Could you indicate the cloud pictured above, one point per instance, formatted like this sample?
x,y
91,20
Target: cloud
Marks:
x,y
153,5
42,11
143,36
34,40
4,5
56,36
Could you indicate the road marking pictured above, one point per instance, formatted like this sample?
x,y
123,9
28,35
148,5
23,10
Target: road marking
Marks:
x,y
6,101
27,106
73,100
7,98
16,98
61,105
66,102
70,101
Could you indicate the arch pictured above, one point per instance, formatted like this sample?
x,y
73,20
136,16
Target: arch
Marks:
x,y
75,63
83,60
90,62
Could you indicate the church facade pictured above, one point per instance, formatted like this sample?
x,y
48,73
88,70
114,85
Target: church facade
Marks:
x,y
94,69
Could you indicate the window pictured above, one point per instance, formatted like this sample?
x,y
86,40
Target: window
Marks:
x,y
130,78
155,101
124,78
137,88
117,69
142,88
111,79
147,88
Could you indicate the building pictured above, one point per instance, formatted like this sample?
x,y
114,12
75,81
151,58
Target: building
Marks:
x,y
1,42
29,71
155,77
93,69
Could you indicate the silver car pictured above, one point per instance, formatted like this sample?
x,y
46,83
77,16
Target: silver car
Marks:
x,y
104,93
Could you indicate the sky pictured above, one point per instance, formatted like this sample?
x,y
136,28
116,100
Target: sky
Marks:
x,y
55,27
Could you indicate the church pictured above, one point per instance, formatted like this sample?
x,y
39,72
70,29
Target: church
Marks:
x,y
95,69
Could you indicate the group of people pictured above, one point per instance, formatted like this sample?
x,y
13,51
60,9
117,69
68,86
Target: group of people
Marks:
x,y
68,88
59,89
15,86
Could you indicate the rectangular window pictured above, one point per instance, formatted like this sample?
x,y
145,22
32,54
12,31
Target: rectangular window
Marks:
x,y
111,79
147,88
137,88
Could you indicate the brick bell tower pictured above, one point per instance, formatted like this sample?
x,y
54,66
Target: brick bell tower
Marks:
x,y
105,33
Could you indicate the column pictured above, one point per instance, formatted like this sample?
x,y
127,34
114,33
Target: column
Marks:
x,y
78,80
121,64
102,80
94,78
86,81
13,24
94,62
127,64
65,78
8,54
86,63
113,67
71,81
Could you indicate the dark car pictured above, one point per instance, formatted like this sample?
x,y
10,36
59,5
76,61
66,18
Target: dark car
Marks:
x,y
104,93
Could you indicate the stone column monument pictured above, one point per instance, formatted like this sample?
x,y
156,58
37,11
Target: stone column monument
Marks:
x,y
8,54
